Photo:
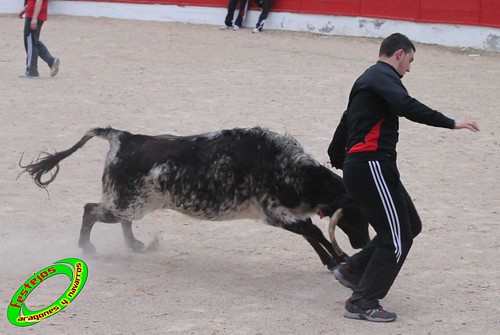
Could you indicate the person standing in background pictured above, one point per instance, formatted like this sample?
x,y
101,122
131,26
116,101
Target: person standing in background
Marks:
x,y
35,13
231,7
238,24
266,7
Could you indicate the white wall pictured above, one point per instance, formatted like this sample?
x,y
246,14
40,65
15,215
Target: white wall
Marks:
x,y
443,34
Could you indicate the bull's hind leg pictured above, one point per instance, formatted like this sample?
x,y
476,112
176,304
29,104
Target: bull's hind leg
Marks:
x,y
92,213
130,240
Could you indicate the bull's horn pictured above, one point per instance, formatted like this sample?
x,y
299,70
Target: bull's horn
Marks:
x,y
331,231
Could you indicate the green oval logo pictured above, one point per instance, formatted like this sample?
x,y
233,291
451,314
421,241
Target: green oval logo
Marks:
x,y
75,269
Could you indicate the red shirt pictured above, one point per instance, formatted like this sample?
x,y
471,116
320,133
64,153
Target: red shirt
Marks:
x,y
30,8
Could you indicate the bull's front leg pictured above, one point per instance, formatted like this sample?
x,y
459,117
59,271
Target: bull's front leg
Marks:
x,y
93,213
280,217
315,237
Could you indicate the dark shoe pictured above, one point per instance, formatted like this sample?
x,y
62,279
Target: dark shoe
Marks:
x,y
344,276
55,67
378,314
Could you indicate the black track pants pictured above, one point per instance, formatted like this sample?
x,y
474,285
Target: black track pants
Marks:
x,y
376,187
35,48
266,7
231,8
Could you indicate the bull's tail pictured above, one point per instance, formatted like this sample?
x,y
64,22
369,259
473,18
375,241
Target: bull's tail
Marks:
x,y
44,165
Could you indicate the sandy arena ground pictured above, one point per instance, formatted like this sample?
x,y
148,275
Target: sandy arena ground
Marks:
x,y
239,277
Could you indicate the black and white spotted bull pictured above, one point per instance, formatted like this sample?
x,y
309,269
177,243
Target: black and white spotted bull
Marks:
x,y
230,174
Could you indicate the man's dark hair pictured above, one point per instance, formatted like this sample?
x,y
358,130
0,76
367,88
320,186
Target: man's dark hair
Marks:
x,y
393,43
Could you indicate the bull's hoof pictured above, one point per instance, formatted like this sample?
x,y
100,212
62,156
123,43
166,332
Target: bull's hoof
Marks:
x,y
330,266
154,245
88,249
137,246
334,263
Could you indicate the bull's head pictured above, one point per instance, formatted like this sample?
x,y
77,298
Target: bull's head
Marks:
x,y
337,219
350,219
325,190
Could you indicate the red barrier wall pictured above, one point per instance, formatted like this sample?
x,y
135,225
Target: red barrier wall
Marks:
x,y
469,12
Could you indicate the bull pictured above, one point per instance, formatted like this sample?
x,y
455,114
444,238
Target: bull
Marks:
x,y
239,173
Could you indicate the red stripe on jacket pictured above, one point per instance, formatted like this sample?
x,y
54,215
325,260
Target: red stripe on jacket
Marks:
x,y
371,140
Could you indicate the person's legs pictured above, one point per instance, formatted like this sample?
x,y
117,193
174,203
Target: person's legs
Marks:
x,y
415,222
44,54
376,187
35,48
265,4
31,46
358,262
241,13
231,7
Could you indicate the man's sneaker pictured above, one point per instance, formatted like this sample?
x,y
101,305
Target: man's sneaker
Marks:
x,y
344,275
55,67
236,28
256,30
378,314
224,27
27,75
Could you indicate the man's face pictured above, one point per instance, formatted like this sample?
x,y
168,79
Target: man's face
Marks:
x,y
404,60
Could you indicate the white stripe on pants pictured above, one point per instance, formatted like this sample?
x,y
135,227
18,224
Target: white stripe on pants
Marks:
x,y
390,209
29,50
